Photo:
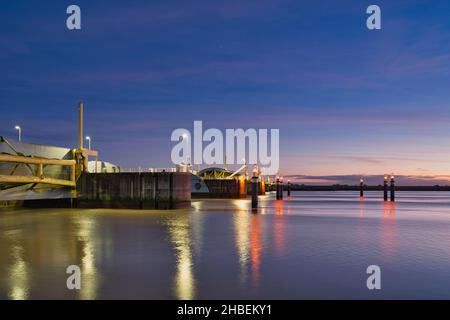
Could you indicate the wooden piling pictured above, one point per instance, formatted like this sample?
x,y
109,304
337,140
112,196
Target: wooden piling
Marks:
x,y
392,188
385,188
255,191
281,188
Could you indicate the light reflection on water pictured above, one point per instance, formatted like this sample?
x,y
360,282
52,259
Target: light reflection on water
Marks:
x,y
19,278
87,230
241,227
255,248
312,245
180,234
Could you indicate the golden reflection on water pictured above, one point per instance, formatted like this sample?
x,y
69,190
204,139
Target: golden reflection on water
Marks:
x,y
241,205
388,230
278,226
248,237
180,235
197,232
256,248
19,278
389,210
241,229
90,277
361,207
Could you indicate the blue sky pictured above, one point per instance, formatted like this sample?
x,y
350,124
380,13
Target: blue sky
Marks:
x,y
347,101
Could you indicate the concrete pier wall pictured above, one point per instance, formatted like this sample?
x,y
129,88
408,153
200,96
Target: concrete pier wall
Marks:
x,y
224,188
134,190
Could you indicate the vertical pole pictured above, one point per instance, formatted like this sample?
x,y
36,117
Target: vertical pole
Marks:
x,y
278,188
171,204
361,188
80,126
385,188
289,188
254,193
281,188
392,188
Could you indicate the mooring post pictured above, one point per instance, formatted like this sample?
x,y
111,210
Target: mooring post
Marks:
x,y
392,188
281,188
361,187
254,192
278,187
289,188
385,187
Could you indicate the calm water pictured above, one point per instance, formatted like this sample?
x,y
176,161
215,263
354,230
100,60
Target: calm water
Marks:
x,y
314,245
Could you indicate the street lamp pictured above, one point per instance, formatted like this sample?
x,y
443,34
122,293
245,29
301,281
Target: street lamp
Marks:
x,y
88,138
19,129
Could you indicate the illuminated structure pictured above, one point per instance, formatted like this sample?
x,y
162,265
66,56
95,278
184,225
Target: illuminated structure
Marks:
x,y
385,188
361,187
392,188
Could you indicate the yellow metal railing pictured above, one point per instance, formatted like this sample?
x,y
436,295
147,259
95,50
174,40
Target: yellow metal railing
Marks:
x,y
38,176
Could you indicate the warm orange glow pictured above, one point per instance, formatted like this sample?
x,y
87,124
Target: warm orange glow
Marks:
x,y
361,207
278,207
280,243
255,253
263,186
389,210
242,186
388,230
242,233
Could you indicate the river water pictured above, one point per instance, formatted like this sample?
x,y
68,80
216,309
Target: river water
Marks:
x,y
315,245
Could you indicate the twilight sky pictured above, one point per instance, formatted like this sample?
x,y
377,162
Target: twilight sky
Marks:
x,y
348,101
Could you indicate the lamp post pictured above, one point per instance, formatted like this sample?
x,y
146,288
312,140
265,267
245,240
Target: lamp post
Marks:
x,y
385,187
392,188
361,187
255,182
88,138
19,129
278,188
281,188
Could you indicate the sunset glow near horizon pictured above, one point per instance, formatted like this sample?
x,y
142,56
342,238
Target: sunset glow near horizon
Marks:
x,y
348,101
